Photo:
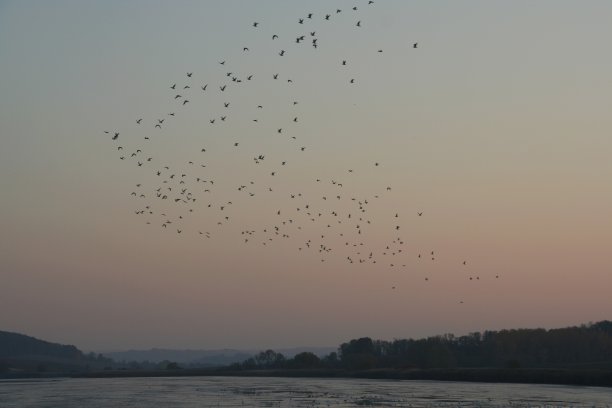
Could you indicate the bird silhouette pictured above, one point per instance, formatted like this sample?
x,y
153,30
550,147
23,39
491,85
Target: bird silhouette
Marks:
x,y
182,190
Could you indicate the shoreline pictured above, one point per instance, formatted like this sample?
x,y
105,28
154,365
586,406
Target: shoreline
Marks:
x,y
570,377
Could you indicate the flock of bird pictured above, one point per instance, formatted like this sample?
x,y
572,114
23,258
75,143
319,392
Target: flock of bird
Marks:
x,y
335,222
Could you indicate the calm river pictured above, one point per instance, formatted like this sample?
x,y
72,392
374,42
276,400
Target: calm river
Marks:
x,y
288,392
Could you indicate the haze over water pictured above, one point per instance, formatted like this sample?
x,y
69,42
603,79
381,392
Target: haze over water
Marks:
x,y
496,128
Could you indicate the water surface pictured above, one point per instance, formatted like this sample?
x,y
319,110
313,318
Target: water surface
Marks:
x,y
188,392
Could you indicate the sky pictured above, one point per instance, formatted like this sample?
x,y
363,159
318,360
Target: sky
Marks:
x,y
496,128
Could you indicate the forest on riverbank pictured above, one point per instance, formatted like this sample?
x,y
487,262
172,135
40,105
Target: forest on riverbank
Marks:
x,y
579,355
587,346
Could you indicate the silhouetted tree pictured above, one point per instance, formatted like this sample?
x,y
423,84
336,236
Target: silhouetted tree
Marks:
x,y
172,366
331,360
305,360
358,354
269,359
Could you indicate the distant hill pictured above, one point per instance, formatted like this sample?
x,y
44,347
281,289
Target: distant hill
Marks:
x,y
204,358
15,345
25,354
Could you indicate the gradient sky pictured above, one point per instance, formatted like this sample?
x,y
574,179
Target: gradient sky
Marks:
x,y
497,127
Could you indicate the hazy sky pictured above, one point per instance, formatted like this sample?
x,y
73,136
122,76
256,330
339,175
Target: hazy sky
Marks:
x,y
497,127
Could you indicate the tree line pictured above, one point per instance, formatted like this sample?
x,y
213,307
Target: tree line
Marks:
x,y
585,346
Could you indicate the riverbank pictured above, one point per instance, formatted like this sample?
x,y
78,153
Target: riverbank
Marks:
x,y
592,377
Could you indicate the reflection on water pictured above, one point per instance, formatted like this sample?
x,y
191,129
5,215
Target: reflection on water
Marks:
x,y
289,392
